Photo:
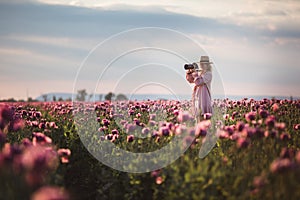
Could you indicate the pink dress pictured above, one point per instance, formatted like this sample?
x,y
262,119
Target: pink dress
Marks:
x,y
201,99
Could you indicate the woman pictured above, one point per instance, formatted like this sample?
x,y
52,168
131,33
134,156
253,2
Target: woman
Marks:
x,y
202,90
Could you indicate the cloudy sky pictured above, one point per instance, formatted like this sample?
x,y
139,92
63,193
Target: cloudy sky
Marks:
x,y
61,46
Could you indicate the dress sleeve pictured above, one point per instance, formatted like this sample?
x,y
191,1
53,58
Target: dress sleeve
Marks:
x,y
203,79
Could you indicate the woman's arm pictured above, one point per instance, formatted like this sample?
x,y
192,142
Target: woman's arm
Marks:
x,y
202,79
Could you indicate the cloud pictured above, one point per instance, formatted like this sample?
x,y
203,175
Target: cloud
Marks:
x,y
59,20
275,12
17,1
63,42
23,64
36,19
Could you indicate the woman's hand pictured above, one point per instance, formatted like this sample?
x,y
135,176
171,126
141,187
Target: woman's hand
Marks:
x,y
195,74
189,77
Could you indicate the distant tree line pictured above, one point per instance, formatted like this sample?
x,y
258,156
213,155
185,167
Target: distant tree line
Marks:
x,y
81,96
21,100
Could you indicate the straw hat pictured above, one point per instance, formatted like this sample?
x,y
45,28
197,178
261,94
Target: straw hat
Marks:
x,y
204,59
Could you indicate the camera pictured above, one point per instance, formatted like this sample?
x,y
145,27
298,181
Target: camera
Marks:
x,y
191,66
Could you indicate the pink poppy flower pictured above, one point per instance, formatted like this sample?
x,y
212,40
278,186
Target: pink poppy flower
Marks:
x,y
40,138
285,136
115,131
297,157
240,126
164,131
207,116
130,138
242,142
183,116
6,113
270,121
259,181
250,116
297,127
105,122
38,114
145,131
263,113
280,165
130,128
49,192
159,180
287,153
275,107
64,155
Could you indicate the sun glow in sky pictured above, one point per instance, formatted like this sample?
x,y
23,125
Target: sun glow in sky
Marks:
x,y
254,44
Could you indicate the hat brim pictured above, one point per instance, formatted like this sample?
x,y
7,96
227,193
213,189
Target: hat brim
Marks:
x,y
205,62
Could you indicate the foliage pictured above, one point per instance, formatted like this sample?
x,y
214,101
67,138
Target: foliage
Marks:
x,y
257,154
81,95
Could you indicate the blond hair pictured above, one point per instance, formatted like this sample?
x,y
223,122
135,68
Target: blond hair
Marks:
x,y
206,67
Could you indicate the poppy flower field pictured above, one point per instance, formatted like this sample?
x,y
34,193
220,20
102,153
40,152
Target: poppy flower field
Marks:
x,y
256,155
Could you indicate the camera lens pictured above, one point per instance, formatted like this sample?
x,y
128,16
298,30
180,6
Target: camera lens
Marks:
x,y
188,66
